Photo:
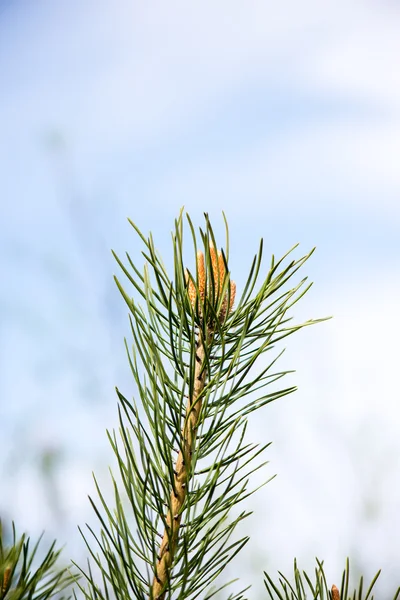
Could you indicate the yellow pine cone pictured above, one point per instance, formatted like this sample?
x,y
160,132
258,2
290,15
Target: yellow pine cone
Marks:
x,y
217,281
335,593
6,580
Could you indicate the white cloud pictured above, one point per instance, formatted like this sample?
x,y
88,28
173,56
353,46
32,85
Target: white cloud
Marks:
x,y
132,72
128,76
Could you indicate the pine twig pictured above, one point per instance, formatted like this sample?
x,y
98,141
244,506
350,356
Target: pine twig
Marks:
x,y
182,474
188,468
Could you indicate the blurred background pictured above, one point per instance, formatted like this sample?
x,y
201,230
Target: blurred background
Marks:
x,y
287,117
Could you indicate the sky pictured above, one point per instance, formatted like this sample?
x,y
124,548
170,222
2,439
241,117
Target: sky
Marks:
x,y
286,116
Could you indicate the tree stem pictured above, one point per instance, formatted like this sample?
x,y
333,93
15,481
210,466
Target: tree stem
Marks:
x,y
181,478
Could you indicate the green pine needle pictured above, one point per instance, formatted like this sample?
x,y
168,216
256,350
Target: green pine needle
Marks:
x,y
304,587
26,576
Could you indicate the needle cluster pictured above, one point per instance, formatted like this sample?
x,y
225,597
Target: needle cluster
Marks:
x,y
184,462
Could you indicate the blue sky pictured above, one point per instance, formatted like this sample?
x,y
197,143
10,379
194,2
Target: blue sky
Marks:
x,y
287,117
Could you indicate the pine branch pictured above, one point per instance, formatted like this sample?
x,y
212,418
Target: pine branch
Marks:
x,y
183,459
298,589
24,577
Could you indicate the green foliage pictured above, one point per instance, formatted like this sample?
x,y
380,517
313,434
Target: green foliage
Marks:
x,y
201,366
171,531
303,588
25,577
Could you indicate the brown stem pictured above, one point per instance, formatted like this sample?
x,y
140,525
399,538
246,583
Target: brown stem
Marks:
x,y
182,468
